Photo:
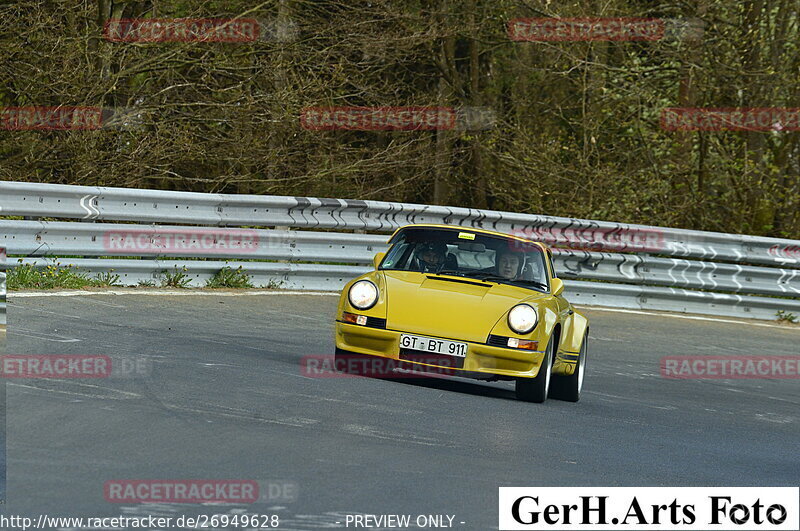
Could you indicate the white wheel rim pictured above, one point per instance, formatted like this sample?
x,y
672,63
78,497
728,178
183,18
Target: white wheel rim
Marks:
x,y
582,363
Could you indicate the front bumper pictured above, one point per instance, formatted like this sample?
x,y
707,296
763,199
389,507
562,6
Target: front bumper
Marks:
x,y
481,359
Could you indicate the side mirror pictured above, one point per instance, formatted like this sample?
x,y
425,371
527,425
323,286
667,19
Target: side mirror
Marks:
x,y
556,286
377,259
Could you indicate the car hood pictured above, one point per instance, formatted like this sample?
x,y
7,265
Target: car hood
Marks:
x,y
454,308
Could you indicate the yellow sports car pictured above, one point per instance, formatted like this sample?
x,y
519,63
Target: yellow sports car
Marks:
x,y
467,302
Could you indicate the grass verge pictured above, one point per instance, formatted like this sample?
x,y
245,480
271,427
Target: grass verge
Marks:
x,y
56,276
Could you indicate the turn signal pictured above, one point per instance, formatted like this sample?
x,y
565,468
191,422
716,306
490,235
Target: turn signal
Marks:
x,y
348,317
513,342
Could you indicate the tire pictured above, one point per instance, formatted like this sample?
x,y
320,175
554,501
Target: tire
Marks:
x,y
569,387
535,389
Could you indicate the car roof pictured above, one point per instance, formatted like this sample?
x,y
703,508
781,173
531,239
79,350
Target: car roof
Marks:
x,y
470,229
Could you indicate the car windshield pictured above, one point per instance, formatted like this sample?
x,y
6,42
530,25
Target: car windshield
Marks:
x,y
468,254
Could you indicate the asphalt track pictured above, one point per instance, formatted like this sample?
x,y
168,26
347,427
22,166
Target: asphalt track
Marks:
x,y
226,399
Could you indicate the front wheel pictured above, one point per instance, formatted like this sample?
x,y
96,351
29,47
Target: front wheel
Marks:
x,y
569,387
535,389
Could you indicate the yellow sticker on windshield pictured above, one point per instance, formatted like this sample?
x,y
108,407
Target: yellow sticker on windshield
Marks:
x,y
466,235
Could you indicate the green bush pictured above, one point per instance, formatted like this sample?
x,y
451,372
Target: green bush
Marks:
x,y
176,279
230,278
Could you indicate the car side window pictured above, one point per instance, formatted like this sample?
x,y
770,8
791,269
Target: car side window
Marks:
x,y
397,257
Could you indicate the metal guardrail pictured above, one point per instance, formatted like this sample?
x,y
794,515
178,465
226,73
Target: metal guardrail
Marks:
x,y
630,266
37,238
42,239
157,206
678,273
318,277
2,297
276,275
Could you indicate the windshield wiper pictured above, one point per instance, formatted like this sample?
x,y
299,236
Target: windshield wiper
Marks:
x,y
452,272
533,283
484,276
491,277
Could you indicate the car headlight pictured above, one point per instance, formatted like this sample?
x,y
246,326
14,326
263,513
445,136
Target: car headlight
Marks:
x,y
522,318
363,295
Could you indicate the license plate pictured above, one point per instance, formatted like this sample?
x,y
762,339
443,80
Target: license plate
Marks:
x,y
436,346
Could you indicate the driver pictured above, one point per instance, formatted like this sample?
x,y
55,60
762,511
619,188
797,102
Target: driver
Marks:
x,y
509,265
431,256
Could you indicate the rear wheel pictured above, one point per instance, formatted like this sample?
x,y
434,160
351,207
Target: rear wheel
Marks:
x,y
535,389
569,387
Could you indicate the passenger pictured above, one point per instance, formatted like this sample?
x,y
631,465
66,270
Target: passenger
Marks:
x,y
431,256
509,265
